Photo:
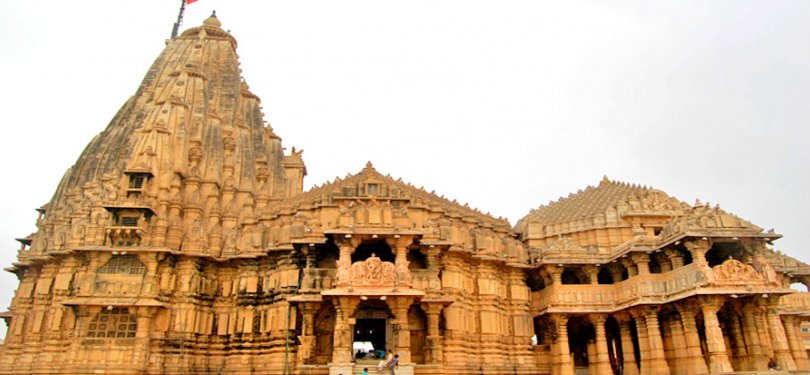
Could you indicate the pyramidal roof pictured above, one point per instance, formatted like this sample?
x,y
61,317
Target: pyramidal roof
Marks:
x,y
338,188
595,200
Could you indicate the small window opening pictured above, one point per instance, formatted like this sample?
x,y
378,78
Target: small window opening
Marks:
x,y
137,184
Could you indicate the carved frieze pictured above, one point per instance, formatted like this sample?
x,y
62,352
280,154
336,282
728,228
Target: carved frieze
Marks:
x,y
372,272
734,272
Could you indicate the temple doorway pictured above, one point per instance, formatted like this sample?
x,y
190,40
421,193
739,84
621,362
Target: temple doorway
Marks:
x,y
369,338
372,333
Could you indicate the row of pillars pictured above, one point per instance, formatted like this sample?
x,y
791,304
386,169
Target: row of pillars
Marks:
x,y
345,307
760,336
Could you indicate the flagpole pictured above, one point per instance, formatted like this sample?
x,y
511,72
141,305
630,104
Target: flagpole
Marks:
x,y
179,18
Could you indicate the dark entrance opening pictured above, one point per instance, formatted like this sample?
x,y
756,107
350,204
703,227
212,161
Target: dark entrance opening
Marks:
x,y
369,331
377,247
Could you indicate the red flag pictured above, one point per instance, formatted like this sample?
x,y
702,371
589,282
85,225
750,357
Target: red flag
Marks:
x,y
190,1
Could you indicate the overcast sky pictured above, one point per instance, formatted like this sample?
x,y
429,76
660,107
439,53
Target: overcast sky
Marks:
x,y
505,105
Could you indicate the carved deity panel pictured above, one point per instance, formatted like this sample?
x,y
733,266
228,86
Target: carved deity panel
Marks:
x,y
372,272
733,271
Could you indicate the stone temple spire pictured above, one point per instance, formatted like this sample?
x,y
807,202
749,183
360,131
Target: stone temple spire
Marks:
x,y
189,144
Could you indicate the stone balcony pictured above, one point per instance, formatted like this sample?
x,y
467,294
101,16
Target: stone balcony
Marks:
x,y
660,288
123,236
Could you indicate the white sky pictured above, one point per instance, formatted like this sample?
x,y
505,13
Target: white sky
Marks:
x,y
502,104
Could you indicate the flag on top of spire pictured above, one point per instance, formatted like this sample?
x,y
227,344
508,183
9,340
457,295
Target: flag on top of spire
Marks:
x,y
176,26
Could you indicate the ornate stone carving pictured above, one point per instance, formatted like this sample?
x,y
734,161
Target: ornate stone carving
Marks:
x,y
735,271
372,272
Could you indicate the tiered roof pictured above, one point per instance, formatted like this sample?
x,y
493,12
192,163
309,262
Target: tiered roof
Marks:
x,y
397,188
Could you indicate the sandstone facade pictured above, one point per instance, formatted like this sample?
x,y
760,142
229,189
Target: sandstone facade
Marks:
x,y
182,241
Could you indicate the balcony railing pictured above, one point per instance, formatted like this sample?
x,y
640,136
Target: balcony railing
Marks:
x,y
650,288
123,236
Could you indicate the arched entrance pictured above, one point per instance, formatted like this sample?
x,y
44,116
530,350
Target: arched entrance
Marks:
x,y
372,333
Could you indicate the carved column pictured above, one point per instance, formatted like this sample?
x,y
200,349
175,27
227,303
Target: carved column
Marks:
x,y
695,363
602,358
342,340
616,273
738,349
698,248
642,261
402,332
679,348
658,361
764,333
307,339
400,245
757,360
632,270
433,311
628,353
643,344
556,274
796,344
675,257
716,344
593,274
781,348
562,363
344,262
144,317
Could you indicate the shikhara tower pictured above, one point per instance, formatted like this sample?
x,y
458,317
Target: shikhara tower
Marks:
x,y
181,241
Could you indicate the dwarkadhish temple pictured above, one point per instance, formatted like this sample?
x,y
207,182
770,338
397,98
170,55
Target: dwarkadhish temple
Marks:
x,y
181,241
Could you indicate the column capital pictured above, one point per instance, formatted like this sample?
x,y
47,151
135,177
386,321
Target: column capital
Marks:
x,y
559,318
711,303
701,245
643,311
623,316
598,319
688,308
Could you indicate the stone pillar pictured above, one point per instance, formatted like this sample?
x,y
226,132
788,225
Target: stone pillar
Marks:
x,y
556,274
593,274
616,273
738,349
658,361
698,249
433,311
716,344
781,348
764,334
679,347
695,363
562,363
643,344
344,262
403,274
402,332
757,360
602,363
342,340
796,344
307,339
675,257
144,317
642,261
628,353
632,270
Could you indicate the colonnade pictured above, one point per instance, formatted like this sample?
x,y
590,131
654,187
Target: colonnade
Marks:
x,y
702,335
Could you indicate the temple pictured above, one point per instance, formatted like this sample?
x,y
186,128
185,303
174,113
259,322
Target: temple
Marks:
x,y
182,241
